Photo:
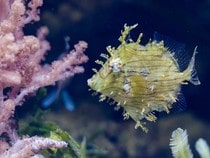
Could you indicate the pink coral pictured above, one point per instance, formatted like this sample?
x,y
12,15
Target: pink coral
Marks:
x,y
22,73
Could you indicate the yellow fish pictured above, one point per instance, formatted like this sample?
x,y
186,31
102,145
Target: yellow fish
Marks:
x,y
143,79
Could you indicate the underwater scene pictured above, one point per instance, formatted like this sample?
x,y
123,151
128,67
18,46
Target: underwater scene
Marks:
x,y
104,79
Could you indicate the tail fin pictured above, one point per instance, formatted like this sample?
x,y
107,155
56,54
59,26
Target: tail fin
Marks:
x,y
68,102
193,74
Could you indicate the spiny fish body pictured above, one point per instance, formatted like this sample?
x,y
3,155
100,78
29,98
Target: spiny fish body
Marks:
x,y
142,79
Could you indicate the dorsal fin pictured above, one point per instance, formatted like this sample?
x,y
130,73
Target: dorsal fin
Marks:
x,y
177,50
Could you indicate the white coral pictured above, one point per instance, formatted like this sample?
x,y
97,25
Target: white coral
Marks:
x,y
179,144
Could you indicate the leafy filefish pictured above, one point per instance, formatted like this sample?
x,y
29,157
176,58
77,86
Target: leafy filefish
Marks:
x,y
143,79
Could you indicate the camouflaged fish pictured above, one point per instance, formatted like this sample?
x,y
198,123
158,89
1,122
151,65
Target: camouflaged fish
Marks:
x,y
143,79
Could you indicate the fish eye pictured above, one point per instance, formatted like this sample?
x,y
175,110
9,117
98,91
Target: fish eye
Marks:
x,y
115,65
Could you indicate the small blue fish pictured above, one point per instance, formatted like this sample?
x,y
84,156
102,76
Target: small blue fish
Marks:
x,y
60,91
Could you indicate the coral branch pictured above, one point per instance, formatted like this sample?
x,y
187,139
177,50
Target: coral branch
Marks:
x,y
27,147
21,73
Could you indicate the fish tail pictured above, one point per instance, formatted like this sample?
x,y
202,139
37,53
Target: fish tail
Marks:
x,y
191,71
68,102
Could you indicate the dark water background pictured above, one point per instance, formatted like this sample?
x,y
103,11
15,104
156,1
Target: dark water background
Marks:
x,y
99,22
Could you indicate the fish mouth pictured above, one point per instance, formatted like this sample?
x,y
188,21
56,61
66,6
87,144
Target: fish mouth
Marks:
x,y
90,82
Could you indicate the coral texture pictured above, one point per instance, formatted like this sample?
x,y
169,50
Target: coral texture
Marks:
x,y
21,73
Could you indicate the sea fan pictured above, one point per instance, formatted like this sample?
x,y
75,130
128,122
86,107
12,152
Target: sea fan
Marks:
x,y
202,148
179,144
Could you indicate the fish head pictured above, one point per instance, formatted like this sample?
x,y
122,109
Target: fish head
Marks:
x,y
108,78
